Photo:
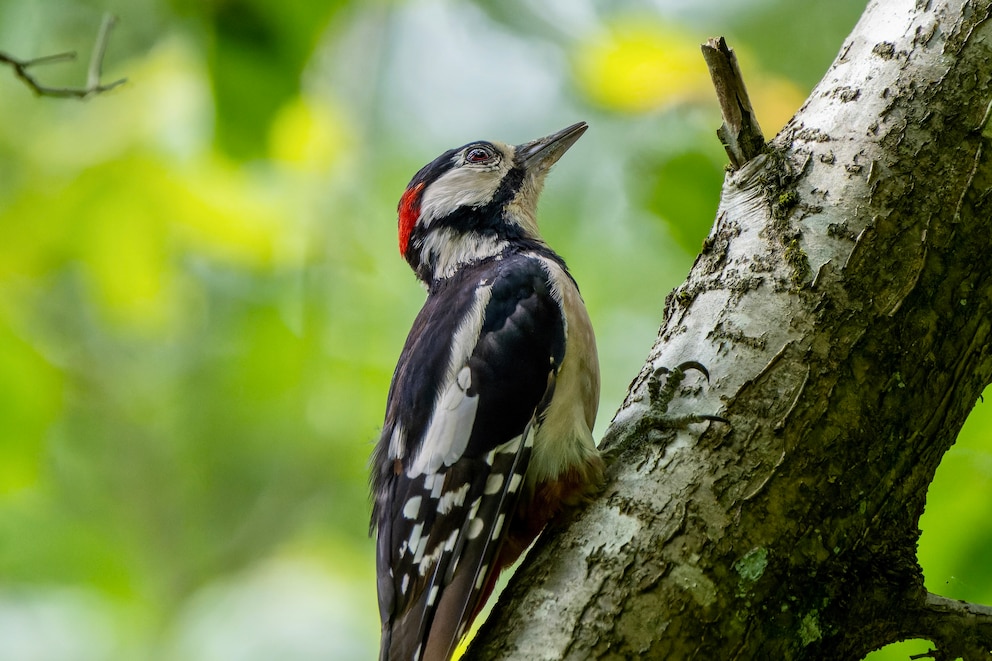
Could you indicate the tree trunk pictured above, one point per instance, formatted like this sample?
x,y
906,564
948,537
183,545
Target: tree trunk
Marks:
x,y
843,307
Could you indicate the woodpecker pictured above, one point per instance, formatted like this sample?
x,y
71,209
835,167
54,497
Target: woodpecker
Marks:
x,y
489,417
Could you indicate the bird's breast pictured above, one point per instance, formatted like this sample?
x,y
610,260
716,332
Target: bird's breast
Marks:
x,y
564,441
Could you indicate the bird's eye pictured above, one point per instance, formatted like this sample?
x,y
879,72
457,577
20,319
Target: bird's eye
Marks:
x,y
478,155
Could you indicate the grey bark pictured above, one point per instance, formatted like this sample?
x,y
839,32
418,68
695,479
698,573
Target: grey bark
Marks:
x,y
842,306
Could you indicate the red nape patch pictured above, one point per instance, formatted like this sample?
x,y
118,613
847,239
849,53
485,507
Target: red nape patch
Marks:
x,y
409,210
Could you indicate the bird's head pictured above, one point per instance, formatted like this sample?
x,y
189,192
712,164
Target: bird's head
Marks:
x,y
472,202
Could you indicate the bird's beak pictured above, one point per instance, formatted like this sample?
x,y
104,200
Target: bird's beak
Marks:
x,y
544,152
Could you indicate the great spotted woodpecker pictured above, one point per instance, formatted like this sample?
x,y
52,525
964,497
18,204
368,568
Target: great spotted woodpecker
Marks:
x,y
488,427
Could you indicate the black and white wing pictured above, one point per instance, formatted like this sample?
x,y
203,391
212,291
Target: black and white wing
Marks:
x,y
460,424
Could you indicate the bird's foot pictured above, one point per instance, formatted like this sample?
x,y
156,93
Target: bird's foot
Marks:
x,y
662,385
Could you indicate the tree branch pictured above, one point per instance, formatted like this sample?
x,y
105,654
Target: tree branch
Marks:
x,y
959,629
740,134
842,305
93,85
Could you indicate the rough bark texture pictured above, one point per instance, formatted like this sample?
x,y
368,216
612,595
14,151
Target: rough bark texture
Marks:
x,y
842,305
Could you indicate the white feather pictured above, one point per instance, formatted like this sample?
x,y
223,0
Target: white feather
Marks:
x,y
396,442
448,432
454,412
447,249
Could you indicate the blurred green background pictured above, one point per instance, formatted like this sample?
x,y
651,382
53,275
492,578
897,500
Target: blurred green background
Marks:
x,y
201,298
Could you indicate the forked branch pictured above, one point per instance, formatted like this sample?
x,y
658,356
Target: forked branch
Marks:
x,y
94,72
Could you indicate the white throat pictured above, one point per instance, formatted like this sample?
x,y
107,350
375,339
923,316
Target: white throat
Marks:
x,y
447,251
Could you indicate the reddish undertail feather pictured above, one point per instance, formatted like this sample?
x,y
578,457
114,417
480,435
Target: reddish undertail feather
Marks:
x,y
577,485
409,209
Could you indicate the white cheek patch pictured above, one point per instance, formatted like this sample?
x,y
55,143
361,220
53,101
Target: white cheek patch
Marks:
x,y
462,186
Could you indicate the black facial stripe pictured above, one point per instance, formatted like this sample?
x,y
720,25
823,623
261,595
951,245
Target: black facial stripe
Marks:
x,y
508,187
488,218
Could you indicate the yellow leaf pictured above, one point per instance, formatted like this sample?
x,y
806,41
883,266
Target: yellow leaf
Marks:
x,y
307,134
226,213
641,66
126,257
638,66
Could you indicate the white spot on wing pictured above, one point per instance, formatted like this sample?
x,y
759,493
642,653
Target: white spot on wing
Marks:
x,y
493,484
421,547
414,540
412,508
474,528
429,560
474,508
432,596
498,527
482,577
515,481
454,498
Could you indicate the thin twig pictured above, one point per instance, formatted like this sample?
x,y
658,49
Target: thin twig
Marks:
x,y
99,49
93,85
929,654
740,134
52,59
